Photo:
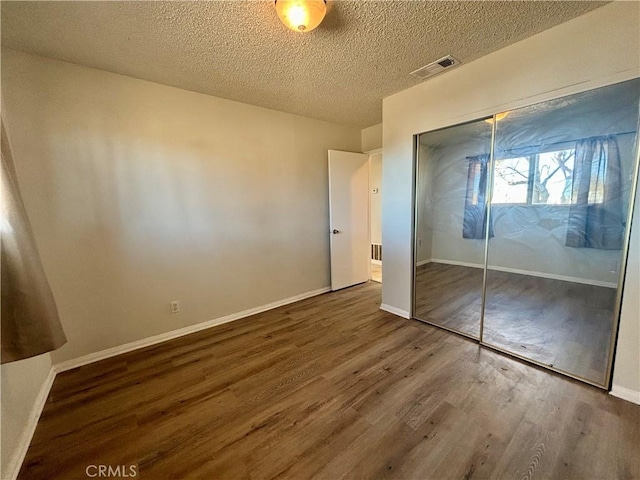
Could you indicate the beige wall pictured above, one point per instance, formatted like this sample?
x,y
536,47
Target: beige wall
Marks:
x,y
140,194
595,49
371,138
375,202
21,384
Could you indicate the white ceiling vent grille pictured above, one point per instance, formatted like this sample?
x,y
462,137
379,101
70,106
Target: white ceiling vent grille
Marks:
x,y
435,67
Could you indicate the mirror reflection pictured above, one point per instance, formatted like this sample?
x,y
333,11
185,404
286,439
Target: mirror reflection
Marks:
x,y
539,227
452,177
562,179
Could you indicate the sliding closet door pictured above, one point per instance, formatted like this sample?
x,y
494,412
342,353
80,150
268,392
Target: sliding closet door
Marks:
x,y
451,205
562,179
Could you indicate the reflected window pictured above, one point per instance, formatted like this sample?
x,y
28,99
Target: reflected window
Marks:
x,y
553,181
511,180
544,178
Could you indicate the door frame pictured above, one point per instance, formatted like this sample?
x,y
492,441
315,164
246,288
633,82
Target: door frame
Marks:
x,y
375,151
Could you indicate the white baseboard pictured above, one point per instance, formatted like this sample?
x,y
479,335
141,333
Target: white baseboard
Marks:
x,y
552,276
454,262
395,311
376,262
15,462
625,394
163,337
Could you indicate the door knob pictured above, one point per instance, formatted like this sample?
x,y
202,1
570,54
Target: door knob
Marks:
x,y
336,231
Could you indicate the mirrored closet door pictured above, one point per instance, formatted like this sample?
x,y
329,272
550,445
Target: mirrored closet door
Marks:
x,y
521,233
451,204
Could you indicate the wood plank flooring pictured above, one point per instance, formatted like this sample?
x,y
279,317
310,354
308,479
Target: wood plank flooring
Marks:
x,y
564,324
330,387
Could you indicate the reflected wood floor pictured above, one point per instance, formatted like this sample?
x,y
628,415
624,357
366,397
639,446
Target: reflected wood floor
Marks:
x,y
564,324
330,387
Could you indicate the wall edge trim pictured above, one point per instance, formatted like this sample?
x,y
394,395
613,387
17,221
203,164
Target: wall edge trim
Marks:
x,y
396,311
163,337
625,393
565,278
17,459
18,456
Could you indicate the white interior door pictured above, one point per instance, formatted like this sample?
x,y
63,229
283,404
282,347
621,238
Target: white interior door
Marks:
x,y
349,218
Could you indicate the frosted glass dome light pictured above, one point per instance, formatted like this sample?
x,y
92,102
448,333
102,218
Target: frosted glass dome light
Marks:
x,y
301,15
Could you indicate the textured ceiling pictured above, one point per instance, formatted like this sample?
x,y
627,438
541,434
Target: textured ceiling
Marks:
x,y
239,50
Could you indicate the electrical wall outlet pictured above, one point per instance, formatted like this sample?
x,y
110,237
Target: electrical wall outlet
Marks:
x,y
175,306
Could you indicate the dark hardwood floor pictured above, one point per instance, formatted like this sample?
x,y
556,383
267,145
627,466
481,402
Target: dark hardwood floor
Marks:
x,y
330,387
564,324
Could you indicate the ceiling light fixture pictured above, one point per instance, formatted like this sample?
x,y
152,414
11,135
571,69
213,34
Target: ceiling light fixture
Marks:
x,y
499,116
301,15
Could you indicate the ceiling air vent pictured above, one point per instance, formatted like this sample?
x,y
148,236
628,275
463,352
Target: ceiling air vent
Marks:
x,y
435,67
